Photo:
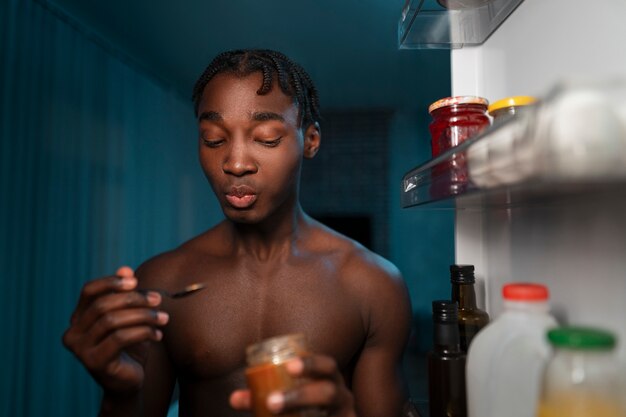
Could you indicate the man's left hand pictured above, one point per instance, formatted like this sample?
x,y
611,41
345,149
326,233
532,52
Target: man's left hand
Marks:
x,y
324,390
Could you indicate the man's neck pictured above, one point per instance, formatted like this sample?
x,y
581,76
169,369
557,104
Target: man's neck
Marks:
x,y
274,238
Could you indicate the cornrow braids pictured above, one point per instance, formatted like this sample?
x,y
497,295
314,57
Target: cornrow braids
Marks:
x,y
292,78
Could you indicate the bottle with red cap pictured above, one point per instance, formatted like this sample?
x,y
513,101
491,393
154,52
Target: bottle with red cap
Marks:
x,y
506,359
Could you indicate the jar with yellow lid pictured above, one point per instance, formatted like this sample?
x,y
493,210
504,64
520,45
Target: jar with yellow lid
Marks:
x,y
496,162
509,106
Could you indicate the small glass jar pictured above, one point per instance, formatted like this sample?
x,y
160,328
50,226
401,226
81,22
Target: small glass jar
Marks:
x,y
266,371
581,379
509,106
455,119
497,161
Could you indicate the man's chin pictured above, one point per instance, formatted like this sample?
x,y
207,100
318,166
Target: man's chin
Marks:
x,y
241,216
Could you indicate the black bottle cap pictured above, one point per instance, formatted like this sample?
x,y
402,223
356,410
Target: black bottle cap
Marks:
x,y
462,274
445,311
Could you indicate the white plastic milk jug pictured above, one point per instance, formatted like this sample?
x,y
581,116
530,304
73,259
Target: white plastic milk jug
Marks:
x,y
505,359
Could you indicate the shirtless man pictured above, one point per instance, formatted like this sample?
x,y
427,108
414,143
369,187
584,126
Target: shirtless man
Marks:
x,y
269,268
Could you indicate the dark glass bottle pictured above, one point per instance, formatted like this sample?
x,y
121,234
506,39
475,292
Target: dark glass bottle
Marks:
x,y
446,364
471,318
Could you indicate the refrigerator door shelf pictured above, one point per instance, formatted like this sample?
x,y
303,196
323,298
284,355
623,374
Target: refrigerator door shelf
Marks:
x,y
571,141
445,24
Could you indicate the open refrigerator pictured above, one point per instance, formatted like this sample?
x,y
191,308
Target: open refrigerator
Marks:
x,y
545,196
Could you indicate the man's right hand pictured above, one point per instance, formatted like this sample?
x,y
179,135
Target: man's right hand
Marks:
x,y
111,328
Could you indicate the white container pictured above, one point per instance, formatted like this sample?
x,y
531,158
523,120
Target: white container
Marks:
x,y
506,359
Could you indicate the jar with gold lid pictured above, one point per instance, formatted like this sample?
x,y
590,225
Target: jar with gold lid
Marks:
x,y
454,120
509,106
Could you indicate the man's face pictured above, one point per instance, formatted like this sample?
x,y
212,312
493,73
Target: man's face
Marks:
x,y
250,146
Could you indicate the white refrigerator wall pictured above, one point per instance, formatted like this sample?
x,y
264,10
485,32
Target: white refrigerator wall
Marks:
x,y
542,42
578,247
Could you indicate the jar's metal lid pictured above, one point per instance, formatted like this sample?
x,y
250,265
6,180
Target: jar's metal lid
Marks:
x,y
276,349
581,338
514,101
453,101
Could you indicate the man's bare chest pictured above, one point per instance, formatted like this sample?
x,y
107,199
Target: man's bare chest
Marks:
x,y
208,333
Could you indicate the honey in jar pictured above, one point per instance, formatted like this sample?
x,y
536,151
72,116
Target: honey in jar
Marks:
x,y
266,370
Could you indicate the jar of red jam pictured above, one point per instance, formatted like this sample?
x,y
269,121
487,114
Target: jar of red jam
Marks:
x,y
454,120
266,370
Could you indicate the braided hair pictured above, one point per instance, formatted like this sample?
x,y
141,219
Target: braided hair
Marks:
x,y
292,78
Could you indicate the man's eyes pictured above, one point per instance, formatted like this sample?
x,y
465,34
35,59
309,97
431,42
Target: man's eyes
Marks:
x,y
270,143
212,143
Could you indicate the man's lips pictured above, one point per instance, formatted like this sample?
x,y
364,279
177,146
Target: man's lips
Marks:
x,y
241,196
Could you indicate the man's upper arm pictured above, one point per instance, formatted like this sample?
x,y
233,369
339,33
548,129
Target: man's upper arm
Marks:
x,y
377,383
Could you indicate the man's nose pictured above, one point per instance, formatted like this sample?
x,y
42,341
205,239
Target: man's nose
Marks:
x,y
239,161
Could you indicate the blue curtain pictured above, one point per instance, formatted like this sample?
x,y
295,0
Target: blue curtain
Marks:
x,y
97,169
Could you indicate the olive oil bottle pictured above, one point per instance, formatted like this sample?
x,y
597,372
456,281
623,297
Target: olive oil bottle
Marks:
x,y
471,318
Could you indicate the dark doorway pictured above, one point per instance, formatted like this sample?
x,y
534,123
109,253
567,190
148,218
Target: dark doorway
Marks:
x,y
358,228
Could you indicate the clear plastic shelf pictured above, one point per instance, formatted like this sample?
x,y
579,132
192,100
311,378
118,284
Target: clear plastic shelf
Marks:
x,y
426,24
571,141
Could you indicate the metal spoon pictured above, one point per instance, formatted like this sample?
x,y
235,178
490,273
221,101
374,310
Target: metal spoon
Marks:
x,y
189,289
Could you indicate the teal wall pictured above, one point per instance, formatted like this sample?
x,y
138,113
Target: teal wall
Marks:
x,y
422,240
97,169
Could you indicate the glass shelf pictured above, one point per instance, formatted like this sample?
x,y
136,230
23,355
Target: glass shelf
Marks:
x,y
571,142
426,24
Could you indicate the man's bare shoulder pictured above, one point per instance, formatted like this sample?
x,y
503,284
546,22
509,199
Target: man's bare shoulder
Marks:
x,y
375,283
164,268
358,264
